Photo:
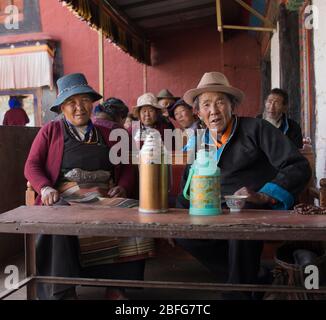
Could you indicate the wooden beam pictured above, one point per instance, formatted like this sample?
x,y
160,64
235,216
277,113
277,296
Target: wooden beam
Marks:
x,y
254,12
138,4
248,28
219,19
178,11
101,52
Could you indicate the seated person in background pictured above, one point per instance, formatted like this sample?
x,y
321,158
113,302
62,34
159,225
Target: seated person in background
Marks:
x,y
111,111
255,159
68,162
149,114
16,115
183,113
166,99
276,105
128,122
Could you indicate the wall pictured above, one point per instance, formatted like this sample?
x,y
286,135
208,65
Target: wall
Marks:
x,y
179,60
320,67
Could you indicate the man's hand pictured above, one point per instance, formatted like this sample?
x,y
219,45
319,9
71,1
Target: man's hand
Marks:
x,y
255,197
117,192
49,196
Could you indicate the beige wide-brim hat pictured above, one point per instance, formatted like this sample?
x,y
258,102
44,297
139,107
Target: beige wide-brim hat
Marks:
x,y
213,82
146,100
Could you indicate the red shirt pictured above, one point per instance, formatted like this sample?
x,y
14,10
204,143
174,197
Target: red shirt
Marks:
x,y
15,117
43,164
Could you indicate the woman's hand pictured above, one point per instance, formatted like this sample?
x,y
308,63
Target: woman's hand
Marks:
x,y
255,197
49,196
117,192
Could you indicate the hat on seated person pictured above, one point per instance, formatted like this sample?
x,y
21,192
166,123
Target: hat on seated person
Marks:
x,y
146,100
180,102
213,82
70,85
166,94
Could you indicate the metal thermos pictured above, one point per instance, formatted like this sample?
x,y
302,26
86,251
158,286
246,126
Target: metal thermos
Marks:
x,y
153,176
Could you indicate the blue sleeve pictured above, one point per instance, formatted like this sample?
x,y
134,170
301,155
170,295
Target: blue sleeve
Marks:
x,y
285,199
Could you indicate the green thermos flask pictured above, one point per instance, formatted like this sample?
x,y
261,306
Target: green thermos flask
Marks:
x,y
205,187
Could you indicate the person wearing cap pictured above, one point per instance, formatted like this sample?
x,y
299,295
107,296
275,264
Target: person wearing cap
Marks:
x,y
148,111
276,105
16,115
166,99
256,160
183,114
111,111
69,160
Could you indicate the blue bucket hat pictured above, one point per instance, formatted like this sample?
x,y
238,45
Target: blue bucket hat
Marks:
x,y
71,85
180,102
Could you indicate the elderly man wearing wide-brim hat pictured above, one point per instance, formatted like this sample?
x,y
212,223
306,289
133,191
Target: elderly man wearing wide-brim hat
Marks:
x,y
256,161
69,161
149,113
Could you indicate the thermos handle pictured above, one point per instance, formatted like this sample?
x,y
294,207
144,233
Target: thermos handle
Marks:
x,y
185,190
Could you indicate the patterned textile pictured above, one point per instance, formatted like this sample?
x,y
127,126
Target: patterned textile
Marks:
x,y
104,250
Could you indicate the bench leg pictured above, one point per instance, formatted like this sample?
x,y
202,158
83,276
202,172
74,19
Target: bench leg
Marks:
x,y
30,265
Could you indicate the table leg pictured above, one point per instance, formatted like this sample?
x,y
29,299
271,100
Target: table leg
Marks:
x,y
30,265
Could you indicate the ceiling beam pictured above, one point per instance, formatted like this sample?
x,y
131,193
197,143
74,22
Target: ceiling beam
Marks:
x,y
120,15
254,12
139,4
248,28
178,11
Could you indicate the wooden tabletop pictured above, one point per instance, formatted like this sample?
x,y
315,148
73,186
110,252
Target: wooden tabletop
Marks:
x,y
177,223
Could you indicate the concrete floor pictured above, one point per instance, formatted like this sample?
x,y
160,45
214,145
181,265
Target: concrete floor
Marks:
x,y
166,269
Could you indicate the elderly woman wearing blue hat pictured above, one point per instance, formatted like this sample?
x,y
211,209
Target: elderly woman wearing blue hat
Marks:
x,y
16,115
69,160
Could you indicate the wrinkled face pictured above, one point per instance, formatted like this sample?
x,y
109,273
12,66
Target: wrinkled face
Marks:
x,y
165,103
184,116
215,110
148,116
78,109
274,106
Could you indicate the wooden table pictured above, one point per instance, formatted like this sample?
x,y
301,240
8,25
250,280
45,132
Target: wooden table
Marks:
x,y
177,223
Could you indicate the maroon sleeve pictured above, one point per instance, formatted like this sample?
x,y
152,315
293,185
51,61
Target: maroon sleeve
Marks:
x,y
124,173
35,166
5,120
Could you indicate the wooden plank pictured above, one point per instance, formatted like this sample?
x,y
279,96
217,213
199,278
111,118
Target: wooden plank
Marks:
x,y
138,4
174,12
248,28
124,222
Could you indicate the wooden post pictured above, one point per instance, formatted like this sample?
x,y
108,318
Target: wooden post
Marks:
x,y
144,78
322,192
219,19
30,265
101,51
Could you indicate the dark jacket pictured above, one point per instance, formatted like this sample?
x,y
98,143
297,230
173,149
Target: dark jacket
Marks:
x,y
291,129
260,157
